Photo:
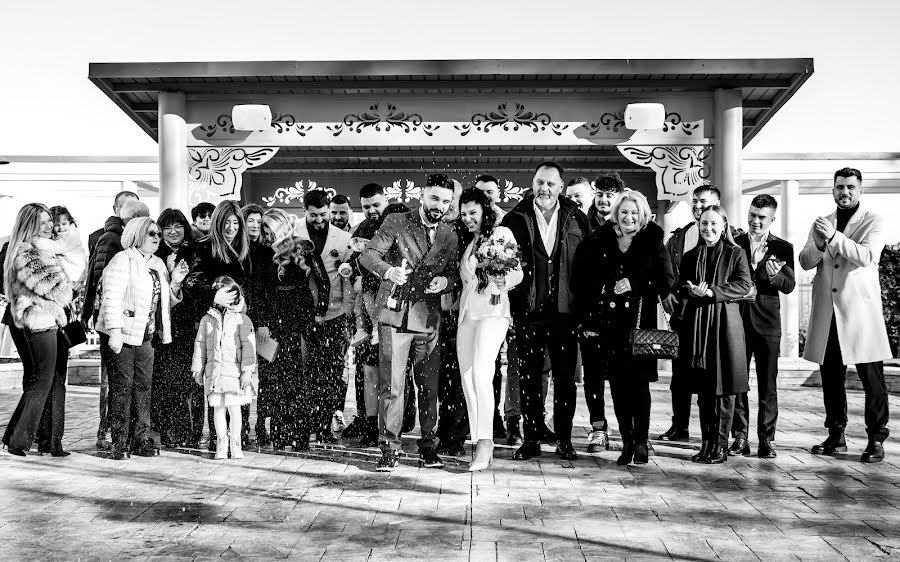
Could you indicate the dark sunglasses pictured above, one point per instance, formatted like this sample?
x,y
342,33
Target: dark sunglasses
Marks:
x,y
153,233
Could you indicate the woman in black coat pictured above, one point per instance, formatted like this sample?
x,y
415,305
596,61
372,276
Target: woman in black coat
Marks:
x,y
620,269
297,289
711,335
226,251
177,406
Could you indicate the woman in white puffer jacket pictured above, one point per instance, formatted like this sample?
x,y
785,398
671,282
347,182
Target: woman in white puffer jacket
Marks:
x,y
136,295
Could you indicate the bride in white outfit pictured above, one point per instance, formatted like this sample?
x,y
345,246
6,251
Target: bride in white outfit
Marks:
x,y
482,325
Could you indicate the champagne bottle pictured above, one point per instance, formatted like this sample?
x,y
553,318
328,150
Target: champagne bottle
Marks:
x,y
393,301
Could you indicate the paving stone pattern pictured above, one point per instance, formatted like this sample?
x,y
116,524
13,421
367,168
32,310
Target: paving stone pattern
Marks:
x,y
332,505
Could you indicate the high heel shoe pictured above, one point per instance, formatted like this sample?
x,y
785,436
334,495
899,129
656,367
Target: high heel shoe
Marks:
x,y
627,454
484,453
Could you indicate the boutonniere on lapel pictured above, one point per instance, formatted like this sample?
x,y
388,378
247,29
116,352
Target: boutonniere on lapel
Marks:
x,y
334,253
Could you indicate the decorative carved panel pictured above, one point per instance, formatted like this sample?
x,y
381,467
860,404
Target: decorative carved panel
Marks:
x,y
215,174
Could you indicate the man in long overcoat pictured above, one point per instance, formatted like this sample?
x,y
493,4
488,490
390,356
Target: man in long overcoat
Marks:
x,y
846,323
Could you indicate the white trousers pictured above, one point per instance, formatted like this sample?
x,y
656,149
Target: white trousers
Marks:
x,y
477,345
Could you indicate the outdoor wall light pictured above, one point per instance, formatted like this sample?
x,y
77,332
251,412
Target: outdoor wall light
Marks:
x,y
250,117
644,116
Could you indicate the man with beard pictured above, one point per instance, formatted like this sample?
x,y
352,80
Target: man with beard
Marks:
x,y
327,339
607,188
453,418
340,212
549,229
415,255
846,322
682,241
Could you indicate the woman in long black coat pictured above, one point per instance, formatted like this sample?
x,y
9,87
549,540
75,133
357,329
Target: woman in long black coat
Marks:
x,y
622,268
177,406
297,289
226,251
711,335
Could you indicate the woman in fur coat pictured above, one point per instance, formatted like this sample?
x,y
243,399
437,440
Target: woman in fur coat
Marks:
x,y
136,296
40,300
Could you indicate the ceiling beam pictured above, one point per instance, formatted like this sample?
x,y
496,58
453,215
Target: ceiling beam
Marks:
x,y
437,167
464,152
703,84
145,107
757,104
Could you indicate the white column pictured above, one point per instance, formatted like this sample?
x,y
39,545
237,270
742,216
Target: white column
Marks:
x,y
729,131
790,304
173,167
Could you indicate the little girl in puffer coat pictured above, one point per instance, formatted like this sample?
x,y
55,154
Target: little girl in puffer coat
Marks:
x,y
224,364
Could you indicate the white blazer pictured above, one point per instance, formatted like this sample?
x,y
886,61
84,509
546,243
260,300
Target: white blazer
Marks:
x,y
335,252
475,305
847,285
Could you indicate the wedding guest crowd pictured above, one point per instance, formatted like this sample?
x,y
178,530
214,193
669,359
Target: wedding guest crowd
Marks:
x,y
197,320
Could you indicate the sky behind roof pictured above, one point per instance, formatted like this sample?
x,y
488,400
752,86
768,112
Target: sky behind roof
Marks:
x,y
48,105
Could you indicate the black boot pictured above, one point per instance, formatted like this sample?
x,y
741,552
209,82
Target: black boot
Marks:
x,y
874,452
704,452
627,455
833,444
641,454
718,453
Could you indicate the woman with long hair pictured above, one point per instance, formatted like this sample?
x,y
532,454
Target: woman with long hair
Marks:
x,y
177,405
713,276
482,324
297,289
137,293
621,271
225,252
39,295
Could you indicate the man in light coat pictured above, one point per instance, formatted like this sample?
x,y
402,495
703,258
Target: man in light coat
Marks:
x,y
846,323
327,340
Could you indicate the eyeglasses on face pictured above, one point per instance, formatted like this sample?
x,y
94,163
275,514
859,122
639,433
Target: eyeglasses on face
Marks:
x,y
173,227
153,233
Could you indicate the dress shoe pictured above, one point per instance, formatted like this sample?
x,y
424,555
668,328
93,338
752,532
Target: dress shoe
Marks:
x,y
766,450
16,451
566,451
528,450
641,454
513,433
59,453
627,453
703,454
717,454
545,435
674,433
740,447
451,449
833,444
873,453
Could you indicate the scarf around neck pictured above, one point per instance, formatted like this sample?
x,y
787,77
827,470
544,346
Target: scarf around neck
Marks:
x,y
703,317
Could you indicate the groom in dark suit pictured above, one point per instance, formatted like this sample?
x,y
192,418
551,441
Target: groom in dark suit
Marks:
x,y
429,247
772,267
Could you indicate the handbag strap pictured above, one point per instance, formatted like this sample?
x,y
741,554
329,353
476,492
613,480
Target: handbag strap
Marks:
x,y
637,324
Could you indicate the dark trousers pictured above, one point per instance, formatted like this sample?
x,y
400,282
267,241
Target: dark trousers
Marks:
x,y
681,407
556,333
594,383
834,373
631,403
716,413
43,402
766,349
197,407
130,388
396,347
326,347
103,428
453,422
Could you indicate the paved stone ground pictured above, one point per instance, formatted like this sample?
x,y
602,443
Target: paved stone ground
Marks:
x,y
188,506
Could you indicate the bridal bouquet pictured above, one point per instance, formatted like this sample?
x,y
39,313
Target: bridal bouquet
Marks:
x,y
495,256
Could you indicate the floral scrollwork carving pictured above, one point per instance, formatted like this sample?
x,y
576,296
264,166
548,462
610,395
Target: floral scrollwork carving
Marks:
x,y
679,169
512,191
403,191
674,120
222,124
514,120
285,195
382,119
610,121
282,123
221,169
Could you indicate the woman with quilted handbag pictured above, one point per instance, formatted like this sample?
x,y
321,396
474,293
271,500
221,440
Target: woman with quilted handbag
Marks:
x,y
712,347
620,273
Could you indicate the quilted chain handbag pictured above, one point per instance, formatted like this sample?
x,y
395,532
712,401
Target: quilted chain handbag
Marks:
x,y
661,344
